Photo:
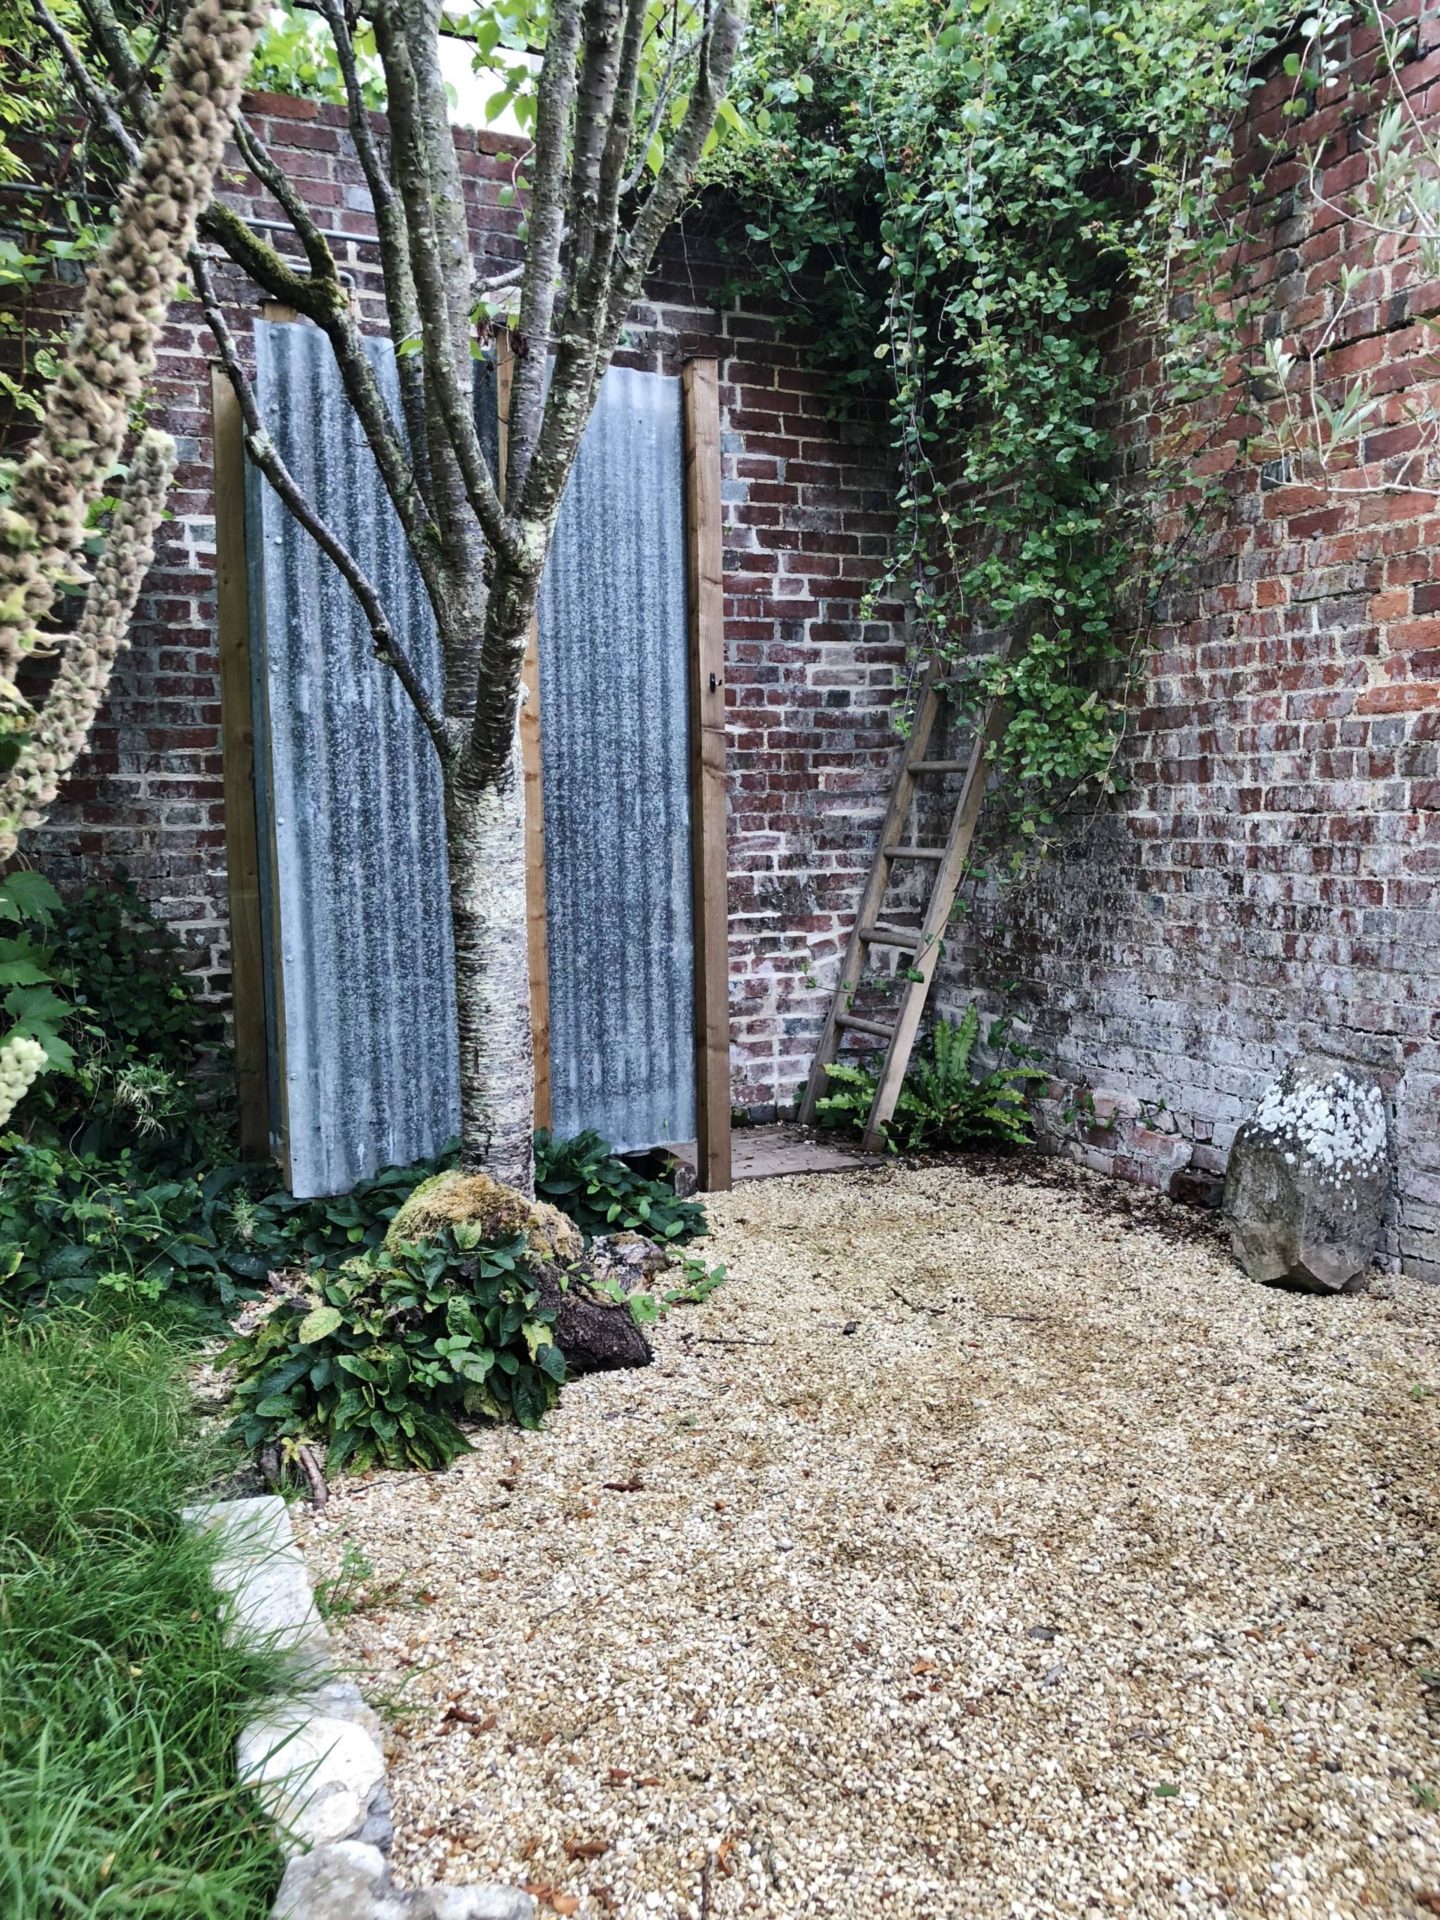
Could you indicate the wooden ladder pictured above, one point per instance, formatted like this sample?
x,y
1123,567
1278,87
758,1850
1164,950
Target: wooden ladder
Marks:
x,y
922,943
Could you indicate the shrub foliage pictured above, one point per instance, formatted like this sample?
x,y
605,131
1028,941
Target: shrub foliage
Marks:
x,y
602,1194
948,1099
384,1354
960,199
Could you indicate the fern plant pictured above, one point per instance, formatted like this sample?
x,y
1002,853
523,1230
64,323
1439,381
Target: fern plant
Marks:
x,y
944,1101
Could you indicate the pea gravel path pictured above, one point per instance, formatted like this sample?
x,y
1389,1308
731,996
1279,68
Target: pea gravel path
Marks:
x,y
977,1550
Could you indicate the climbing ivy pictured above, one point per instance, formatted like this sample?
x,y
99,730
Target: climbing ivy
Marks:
x,y
960,201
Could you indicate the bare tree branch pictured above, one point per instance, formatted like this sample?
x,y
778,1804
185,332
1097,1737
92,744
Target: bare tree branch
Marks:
x,y
324,300
619,261
400,302
720,42
267,458
414,138
595,102
114,44
319,296
676,59
545,231
281,188
97,100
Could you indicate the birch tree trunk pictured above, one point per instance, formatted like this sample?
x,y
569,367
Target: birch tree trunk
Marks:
x,y
485,843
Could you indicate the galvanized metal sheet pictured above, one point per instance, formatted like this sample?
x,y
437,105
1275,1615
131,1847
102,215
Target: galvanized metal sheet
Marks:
x,y
354,902
356,910
614,685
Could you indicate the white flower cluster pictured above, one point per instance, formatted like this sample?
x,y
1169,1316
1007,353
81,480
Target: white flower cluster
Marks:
x,y
1337,1123
21,1058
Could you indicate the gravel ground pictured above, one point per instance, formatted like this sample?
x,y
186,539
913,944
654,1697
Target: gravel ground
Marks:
x,y
982,1548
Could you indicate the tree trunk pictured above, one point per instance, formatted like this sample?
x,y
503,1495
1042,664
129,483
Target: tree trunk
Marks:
x,y
485,841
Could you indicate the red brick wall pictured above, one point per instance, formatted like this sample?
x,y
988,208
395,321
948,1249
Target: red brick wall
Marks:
x,y
1265,883
1268,881
804,500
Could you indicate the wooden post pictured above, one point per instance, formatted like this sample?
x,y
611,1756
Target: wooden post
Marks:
x,y
537,923
709,865
242,852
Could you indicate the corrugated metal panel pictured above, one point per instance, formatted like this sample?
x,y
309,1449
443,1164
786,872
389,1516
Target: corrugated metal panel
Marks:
x,y
614,682
355,903
357,911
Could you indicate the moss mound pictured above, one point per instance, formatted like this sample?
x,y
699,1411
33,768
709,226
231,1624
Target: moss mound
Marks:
x,y
458,1198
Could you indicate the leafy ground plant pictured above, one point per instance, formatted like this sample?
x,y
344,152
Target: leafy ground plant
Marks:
x,y
946,1100
142,1037
385,1354
697,1283
121,1697
601,1194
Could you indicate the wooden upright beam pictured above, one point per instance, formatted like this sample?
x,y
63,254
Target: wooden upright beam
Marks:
x,y
709,865
242,850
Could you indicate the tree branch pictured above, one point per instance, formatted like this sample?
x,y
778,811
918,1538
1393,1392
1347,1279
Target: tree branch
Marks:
x,y
281,188
595,103
321,298
545,231
267,458
720,42
318,295
416,142
400,303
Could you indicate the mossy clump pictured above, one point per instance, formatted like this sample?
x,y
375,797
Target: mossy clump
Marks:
x,y
458,1198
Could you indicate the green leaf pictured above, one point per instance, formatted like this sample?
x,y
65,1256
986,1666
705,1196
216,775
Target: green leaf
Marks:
x,y
27,896
552,1363
33,1006
318,1324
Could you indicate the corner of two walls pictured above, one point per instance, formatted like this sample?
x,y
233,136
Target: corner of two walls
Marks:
x,y
1264,884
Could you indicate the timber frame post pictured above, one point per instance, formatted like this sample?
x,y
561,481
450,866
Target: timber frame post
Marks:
x,y
237,726
708,861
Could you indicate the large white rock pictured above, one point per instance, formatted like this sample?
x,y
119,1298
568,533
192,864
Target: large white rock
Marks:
x,y
1306,1182
315,1776
261,1567
349,1881
477,1903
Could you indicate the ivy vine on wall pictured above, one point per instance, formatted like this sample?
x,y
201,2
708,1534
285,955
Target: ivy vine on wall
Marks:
x,y
961,200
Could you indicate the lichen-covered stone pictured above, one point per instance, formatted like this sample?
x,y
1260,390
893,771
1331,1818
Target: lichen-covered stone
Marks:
x,y
1307,1177
458,1198
313,1775
350,1881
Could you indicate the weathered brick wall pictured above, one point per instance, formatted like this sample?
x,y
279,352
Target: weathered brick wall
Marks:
x,y
1264,884
804,504
1267,882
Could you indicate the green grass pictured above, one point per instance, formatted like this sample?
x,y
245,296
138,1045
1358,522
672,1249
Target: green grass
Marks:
x,y
119,1700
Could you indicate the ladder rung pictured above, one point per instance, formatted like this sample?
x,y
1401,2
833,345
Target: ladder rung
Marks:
x,y
899,852
855,1024
968,668
938,766
882,936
